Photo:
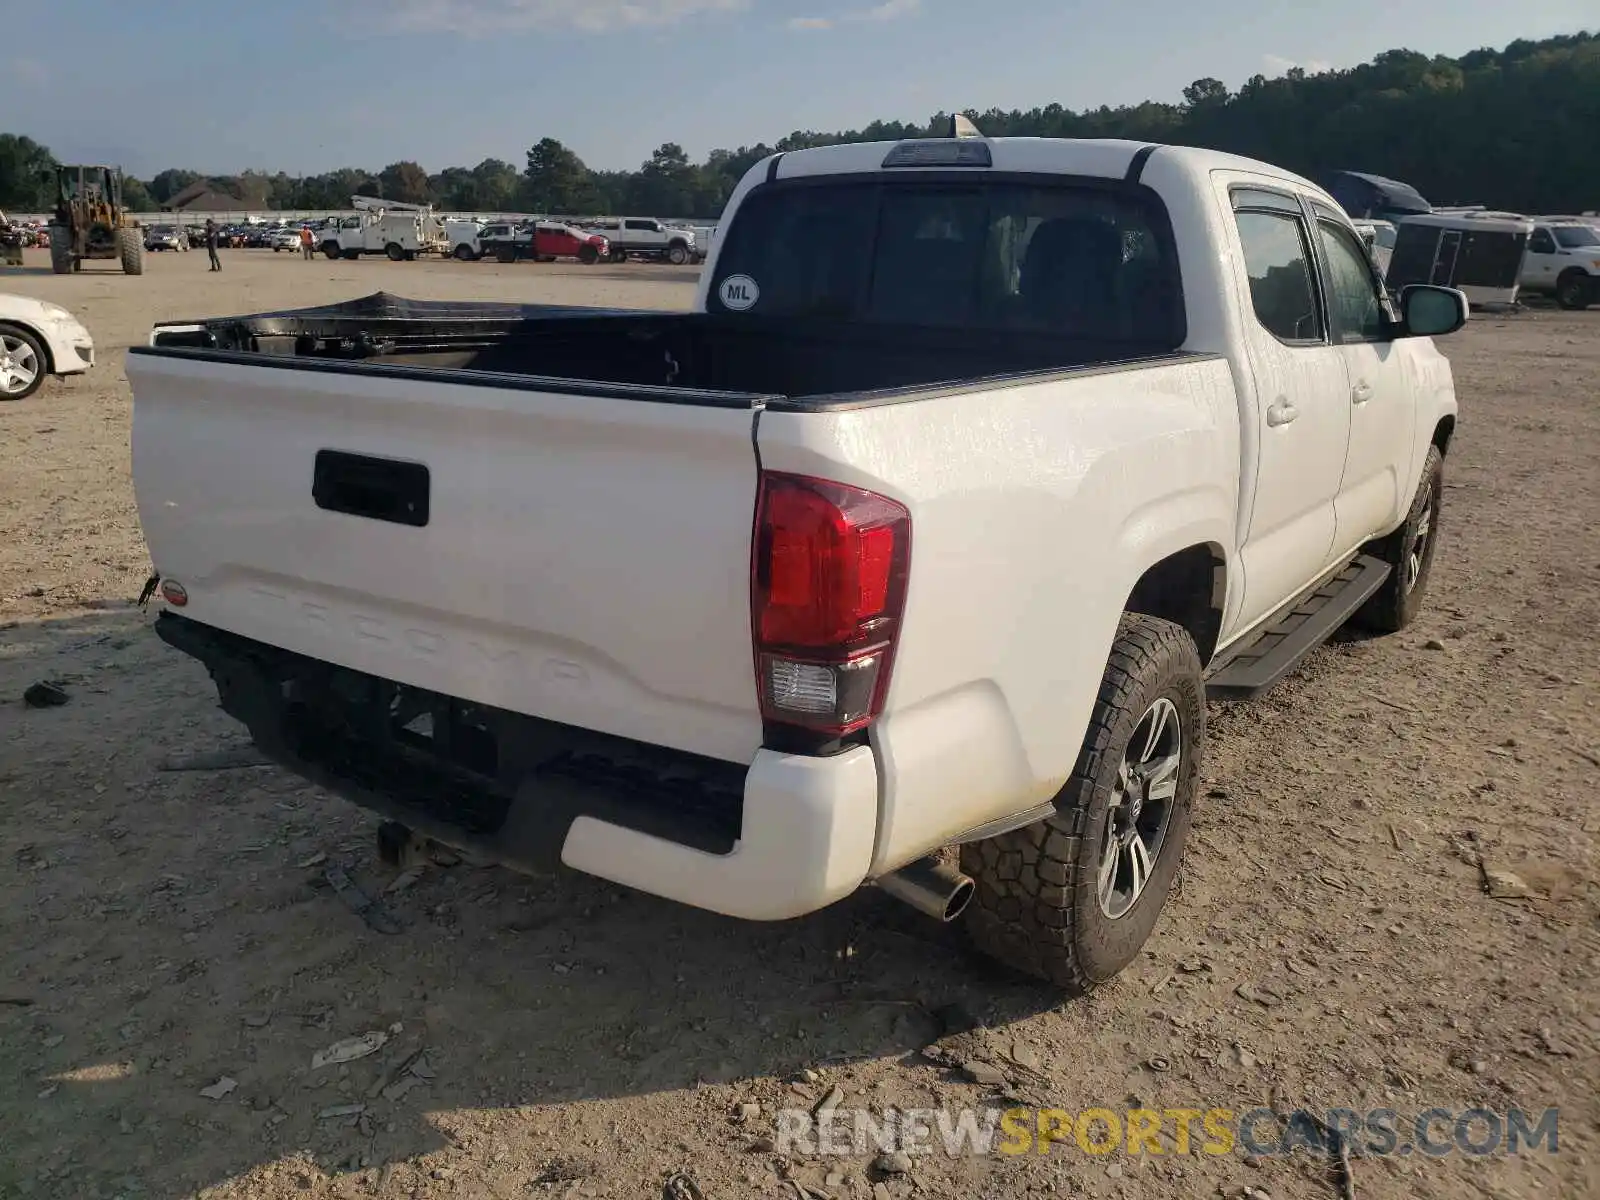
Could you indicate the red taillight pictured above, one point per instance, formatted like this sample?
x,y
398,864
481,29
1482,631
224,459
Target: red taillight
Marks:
x,y
828,587
174,593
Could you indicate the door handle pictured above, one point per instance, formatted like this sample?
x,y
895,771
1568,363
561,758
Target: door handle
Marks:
x,y
1361,393
1281,412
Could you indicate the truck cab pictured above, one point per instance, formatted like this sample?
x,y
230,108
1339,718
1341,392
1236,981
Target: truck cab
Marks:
x,y
463,238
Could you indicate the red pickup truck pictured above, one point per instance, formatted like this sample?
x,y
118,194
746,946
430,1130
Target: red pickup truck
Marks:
x,y
546,241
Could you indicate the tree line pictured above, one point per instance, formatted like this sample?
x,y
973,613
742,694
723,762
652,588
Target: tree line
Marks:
x,y
1513,128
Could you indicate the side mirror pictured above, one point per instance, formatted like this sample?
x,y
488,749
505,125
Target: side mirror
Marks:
x,y
1430,311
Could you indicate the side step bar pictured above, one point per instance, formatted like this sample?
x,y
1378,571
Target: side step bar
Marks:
x,y
1296,631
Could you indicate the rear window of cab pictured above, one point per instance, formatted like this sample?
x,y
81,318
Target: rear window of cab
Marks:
x,y
1080,261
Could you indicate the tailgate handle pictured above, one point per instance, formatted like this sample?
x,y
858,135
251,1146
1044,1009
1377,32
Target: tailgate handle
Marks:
x,y
380,489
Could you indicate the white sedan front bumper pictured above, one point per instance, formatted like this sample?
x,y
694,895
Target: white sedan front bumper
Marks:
x,y
70,345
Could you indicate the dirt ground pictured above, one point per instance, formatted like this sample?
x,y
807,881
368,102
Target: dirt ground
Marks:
x,y
163,931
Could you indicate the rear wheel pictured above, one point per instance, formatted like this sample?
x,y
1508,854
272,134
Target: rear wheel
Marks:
x,y
1409,553
1575,290
130,248
619,256
60,250
1073,898
22,363
394,252
505,254
465,253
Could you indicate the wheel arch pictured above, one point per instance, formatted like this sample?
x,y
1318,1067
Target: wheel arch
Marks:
x,y
37,335
1189,588
1443,432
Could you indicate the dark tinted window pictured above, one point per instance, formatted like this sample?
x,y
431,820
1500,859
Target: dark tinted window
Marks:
x,y
1542,242
1076,261
1277,262
1357,314
1490,258
1574,236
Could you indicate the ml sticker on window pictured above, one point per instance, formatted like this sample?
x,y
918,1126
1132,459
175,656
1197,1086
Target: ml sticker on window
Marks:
x,y
739,292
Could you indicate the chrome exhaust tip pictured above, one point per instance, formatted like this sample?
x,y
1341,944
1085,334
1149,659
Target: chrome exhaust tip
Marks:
x,y
932,887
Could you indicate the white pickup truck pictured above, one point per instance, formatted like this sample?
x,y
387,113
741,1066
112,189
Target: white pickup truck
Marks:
x,y
976,467
399,231
1563,261
645,237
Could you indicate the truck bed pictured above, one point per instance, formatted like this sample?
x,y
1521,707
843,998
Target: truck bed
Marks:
x,y
703,357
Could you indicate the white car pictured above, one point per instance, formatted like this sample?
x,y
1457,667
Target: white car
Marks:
x,y
284,239
38,339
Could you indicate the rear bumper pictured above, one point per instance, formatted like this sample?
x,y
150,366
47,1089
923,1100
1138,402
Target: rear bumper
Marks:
x,y
783,837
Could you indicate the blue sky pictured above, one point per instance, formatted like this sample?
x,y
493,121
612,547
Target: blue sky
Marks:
x,y
309,85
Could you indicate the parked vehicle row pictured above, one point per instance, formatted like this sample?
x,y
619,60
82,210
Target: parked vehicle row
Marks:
x,y
25,235
1498,257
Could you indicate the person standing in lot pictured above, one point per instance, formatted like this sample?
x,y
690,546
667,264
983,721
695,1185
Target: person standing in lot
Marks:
x,y
307,250
211,244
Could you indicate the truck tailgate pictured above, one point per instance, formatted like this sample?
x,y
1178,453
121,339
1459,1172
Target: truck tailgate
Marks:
x,y
579,557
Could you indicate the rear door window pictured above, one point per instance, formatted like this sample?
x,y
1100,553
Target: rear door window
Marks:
x,y
1278,262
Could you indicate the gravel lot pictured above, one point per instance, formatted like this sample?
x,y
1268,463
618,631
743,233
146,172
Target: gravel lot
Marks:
x,y
171,929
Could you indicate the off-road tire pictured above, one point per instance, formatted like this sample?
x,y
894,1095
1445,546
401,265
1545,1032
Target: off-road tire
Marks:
x,y
130,249
1037,907
1396,604
1575,291
60,250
